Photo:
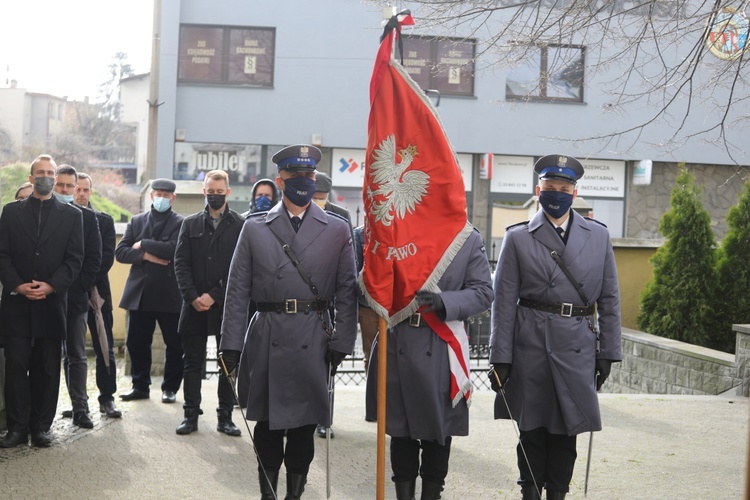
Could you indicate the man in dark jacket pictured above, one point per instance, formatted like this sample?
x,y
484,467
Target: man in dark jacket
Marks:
x,y
204,251
106,376
41,252
323,186
74,348
151,294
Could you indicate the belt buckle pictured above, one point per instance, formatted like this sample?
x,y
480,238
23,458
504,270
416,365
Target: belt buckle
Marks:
x,y
290,306
415,320
566,306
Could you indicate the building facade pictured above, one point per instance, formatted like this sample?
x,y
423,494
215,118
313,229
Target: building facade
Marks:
x,y
238,81
30,118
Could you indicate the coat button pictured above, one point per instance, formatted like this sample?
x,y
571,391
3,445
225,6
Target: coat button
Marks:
x,y
401,351
304,346
275,344
280,276
36,253
209,258
429,353
552,285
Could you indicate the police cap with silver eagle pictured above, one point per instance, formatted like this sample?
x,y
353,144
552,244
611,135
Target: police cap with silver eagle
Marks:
x,y
297,158
163,185
559,167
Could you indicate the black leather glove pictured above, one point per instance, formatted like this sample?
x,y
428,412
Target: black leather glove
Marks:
x,y
502,370
334,359
603,367
433,302
231,360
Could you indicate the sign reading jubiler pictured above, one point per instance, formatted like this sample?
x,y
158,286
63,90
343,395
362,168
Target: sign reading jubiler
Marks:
x,y
727,36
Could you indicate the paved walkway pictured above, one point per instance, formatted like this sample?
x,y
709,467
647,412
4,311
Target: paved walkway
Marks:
x,y
652,447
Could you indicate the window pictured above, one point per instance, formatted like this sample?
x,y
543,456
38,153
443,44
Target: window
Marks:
x,y
442,64
226,55
551,73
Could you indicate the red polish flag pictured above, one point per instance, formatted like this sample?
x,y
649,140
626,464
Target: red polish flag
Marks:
x,y
414,198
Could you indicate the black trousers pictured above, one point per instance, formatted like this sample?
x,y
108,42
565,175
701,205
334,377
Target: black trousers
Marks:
x,y
552,458
296,456
405,459
106,379
32,382
141,327
194,347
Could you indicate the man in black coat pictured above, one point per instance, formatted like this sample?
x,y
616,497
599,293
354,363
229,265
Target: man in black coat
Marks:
x,y
151,294
41,252
74,348
204,252
106,376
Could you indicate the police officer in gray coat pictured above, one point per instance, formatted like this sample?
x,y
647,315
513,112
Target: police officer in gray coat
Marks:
x,y
550,349
286,351
420,415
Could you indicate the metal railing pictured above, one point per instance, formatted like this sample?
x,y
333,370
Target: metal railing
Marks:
x,y
352,369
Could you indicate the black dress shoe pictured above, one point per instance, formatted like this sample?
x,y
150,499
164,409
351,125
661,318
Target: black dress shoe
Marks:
x,y
110,410
321,431
41,438
168,397
133,395
82,420
13,439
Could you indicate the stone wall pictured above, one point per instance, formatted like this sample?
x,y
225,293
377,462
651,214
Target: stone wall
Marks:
x,y
645,205
657,365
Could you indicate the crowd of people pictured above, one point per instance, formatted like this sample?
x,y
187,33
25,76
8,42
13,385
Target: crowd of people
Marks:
x,y
277,287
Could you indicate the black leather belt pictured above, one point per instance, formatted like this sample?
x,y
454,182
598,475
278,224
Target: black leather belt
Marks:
x,y
565,309
415,320
293,306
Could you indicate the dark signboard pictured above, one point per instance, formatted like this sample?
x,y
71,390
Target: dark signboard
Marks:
x,y
443,64
226,55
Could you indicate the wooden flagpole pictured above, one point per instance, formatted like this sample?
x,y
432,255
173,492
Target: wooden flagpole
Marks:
x,y
382,372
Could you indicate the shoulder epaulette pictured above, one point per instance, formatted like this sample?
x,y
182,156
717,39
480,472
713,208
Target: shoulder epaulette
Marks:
x,y
594,220
524,223
337,216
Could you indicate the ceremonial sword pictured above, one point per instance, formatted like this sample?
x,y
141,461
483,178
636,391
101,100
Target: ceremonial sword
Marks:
x,y
518,434
328,430
237,400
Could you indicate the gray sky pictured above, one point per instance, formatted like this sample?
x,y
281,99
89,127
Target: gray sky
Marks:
x,y
64,47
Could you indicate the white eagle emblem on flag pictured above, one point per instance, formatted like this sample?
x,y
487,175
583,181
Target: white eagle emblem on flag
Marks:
x,y
402,190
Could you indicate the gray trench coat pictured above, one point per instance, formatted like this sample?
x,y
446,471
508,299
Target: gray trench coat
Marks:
x,y
551,382
283,375
418,403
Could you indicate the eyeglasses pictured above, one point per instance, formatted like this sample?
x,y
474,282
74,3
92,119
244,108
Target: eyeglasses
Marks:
x,y
63,185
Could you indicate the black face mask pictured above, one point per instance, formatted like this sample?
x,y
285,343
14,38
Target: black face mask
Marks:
x,y
216,201
44,185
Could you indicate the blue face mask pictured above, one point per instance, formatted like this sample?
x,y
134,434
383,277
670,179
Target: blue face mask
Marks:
x,y
263,203
555,203
65,198
299,190
160,204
